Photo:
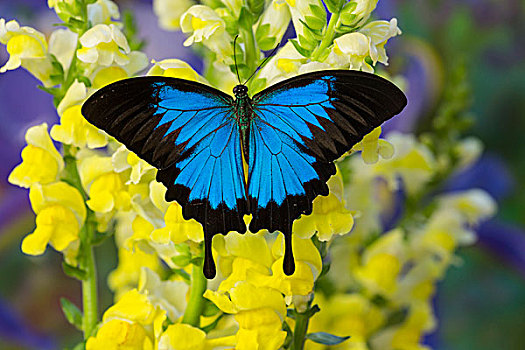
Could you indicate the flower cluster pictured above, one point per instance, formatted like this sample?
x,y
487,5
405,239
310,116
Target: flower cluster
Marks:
x,y
371,285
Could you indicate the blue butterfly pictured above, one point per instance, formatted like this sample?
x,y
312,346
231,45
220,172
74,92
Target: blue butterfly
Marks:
x,y
288,134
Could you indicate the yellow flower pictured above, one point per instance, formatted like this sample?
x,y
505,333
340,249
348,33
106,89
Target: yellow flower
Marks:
x,y
25,45
169,295
102,11
474,205
412,161
126,276
207,27
120,335
75,95
75,130
132,323
62,45
360,14
104,44
170,12
177,228
41,162
176,69
106,189
350,51
407,336
329,216
101,76
272,25
303,16
382,263
346,315
123,160
372,147
185,337
250,250
259,311
60,213
286,63
379,32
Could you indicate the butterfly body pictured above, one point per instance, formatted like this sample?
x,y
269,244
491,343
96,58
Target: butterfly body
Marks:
x,y
269,155
244,115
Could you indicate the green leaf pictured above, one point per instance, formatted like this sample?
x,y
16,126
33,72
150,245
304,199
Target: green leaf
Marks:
x,y
396,317
262,31
318,11
257,85
304,52
348,19
212,325
325,338
72,313
210,309
267,44
349,7
181,260
315,23
334,6
307,44
73,271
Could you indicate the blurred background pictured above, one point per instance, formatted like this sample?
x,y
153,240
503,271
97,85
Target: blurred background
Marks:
x,y
479,44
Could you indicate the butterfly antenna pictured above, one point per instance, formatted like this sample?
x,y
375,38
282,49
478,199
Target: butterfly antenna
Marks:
x,y
263,63
235,59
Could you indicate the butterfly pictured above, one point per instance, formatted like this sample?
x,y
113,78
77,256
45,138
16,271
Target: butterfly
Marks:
x,y
269,155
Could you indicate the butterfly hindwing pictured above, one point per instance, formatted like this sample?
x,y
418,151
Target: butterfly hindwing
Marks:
x,y
301,125
187,130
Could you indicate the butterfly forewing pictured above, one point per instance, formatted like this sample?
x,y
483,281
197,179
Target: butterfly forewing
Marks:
x,y
301,126
188,131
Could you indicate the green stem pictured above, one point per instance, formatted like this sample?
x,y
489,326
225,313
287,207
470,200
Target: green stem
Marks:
x,y
250,49
328,37
299,332
89,287
87,262
196,301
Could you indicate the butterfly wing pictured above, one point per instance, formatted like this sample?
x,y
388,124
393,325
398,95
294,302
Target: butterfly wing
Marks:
x,y
301,126
187,131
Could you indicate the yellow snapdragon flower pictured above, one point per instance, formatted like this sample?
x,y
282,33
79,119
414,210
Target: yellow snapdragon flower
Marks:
x,y
169,295
60,214
382,263
101,76
75,130
104,44
106,189
351,50
371,147
132,323
102,11
41,162
207,27
259,311
169,12
329,216
273,24
23,44
346,315
130,264
175,68
185,337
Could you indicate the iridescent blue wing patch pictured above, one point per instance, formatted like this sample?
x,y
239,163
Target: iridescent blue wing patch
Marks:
x,y
300,126
188,131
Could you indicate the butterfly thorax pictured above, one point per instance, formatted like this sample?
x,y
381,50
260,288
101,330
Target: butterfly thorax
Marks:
x,y
243,115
